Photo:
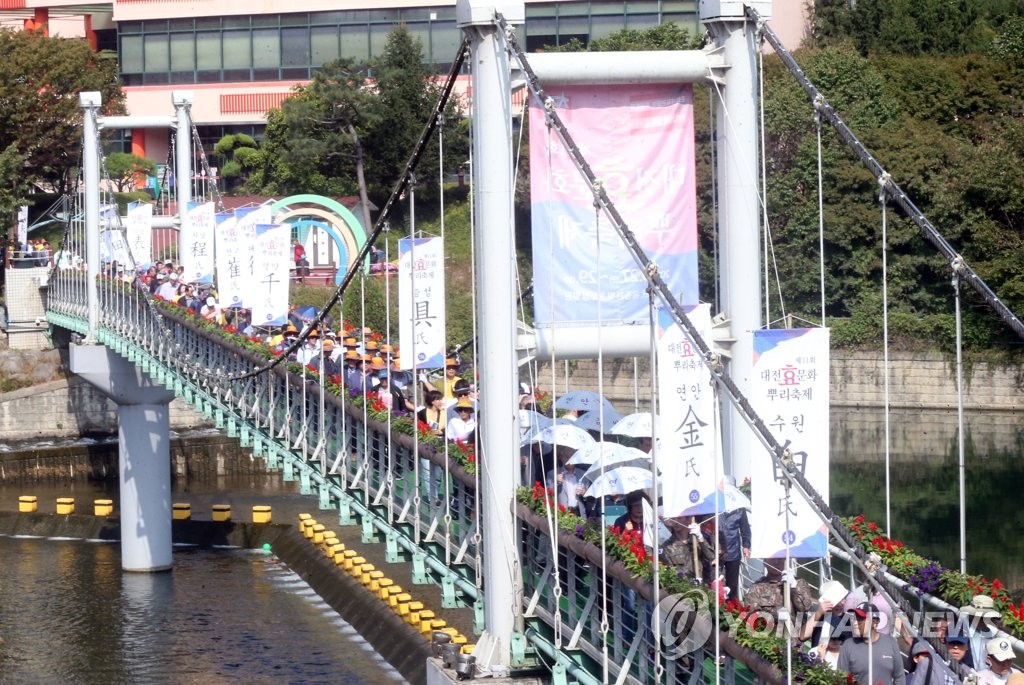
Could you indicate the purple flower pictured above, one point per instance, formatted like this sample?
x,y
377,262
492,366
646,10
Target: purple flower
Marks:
x,y
579,530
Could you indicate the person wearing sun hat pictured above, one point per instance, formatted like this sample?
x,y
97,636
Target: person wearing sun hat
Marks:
x,y
980,614
462,426
871,657
1000,661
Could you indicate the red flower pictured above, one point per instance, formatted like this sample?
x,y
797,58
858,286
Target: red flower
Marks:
x,y
859,519
873,527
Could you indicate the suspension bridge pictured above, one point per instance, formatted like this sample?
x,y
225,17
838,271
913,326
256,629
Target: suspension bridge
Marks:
x,y
540,595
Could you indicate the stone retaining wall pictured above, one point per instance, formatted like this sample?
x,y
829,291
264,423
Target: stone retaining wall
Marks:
x,y
916,381
70,408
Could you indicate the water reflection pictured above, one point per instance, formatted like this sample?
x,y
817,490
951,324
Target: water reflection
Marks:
x,y
925,484
68,614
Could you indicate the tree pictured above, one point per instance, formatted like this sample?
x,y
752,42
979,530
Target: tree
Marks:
x,y
238,154
345,132
124,169
39,107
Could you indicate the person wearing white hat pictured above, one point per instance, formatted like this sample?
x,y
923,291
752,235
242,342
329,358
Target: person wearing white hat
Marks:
x,y
979,614
1000,659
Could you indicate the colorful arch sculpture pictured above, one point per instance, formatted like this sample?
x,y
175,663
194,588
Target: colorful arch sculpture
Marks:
x,y
333,218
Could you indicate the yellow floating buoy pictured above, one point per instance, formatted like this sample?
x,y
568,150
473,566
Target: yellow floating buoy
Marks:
x,y
65,505
28,504
221,512
261,513
103,507
181,511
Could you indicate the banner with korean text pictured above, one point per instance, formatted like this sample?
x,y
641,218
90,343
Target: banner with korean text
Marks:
x,y
114,248
639,141
421,302
688,455
790,393
139,232
195,250
273,259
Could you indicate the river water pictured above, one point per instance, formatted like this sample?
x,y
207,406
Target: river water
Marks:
x,y
68,614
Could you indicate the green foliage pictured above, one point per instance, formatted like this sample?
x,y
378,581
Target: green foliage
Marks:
x,y
354,114
39,109
945,128
913,27
239,156
124,168
15,184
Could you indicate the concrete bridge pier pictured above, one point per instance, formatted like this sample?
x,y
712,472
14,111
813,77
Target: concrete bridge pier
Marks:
x,y
144,462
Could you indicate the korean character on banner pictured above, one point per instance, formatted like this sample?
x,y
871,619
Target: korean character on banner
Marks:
x,y
786,503
798,423
689,430
681,391
778,423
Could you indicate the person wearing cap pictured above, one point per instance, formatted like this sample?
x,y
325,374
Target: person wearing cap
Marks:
x,y
392,397
980,613
451,377
168,287
462,391
871,657
461,427
1000,659
324,357
958,646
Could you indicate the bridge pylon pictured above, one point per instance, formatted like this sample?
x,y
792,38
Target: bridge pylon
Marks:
x,y
144,454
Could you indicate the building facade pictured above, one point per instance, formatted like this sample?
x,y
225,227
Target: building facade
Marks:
x,y
242,57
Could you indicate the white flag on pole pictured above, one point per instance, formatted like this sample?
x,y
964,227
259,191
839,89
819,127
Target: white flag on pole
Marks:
x,y
790,393
421,302
272,262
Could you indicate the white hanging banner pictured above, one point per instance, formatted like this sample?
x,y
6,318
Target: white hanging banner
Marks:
x,y
23,225
421,302
789,391
272,261
235,260
195,251
688,457
139,230
236,270
113,248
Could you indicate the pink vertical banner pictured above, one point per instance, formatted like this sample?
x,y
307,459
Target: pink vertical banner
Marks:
x,y
639,141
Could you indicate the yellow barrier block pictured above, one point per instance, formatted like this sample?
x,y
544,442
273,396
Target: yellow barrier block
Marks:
x,y
103,507
308,530
65,505
425,617
335,550
302,521
413,617
354,563
28,504
318,533
261,513
362,572
348,555
401,605
221,512
427,627
330,539
393,594
406,607
468,649
384,586
375,578
181,511
457,638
